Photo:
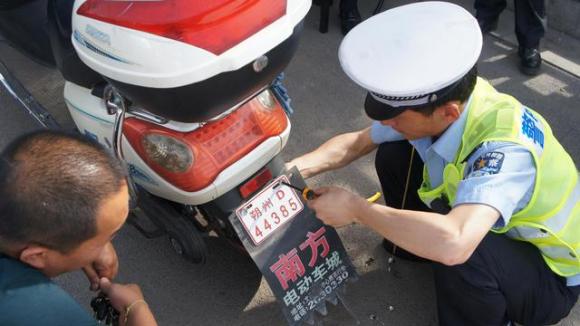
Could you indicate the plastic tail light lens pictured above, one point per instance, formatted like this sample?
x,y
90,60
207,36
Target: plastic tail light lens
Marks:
x,y
214,147
213,25
168,152
255,183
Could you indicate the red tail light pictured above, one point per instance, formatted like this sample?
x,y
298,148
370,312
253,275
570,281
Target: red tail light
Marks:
x,y
215,146
255,183
214,25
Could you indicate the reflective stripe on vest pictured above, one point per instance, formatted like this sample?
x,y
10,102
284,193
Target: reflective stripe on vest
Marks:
x,y
551,220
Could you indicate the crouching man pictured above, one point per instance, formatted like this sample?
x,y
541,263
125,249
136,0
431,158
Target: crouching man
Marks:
x,y
62,199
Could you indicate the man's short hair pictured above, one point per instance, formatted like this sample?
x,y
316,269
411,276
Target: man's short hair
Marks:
x,y
52,184
459,93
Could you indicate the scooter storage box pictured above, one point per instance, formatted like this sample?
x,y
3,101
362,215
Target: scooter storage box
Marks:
x,y
188,60
206,99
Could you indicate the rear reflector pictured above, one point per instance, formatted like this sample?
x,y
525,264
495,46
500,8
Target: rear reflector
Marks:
x,y
255,183
213,25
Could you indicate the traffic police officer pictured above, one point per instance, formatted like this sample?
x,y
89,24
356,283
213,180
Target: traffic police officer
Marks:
x,y
461,159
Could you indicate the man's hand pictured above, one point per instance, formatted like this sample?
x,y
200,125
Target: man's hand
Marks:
x,y
121,295
336,206
128,300
106,265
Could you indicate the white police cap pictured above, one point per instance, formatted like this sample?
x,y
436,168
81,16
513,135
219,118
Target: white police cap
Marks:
x,y
410,55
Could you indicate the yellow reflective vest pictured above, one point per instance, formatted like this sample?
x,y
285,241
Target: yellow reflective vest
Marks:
x,y
551,220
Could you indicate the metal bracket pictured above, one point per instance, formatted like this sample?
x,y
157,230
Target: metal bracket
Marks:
x,y
116,103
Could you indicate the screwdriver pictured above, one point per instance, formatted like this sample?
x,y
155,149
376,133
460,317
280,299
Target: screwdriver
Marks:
x,y
309,194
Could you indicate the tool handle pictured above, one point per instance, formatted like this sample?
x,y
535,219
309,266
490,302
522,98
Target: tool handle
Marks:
x,y
308,194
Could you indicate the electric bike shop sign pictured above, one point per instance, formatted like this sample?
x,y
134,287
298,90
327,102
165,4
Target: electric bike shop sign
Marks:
x,y
303,260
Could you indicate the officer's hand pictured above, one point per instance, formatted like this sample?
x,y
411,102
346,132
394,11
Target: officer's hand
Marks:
x,y
300,165
295,163
290,165
106,265
335,206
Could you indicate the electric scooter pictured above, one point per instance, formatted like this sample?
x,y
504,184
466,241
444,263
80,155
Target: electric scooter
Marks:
x,y
188,94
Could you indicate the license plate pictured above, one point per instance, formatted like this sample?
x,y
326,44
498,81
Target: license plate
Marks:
x,y
271,208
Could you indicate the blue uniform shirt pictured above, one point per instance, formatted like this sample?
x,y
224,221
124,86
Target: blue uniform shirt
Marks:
x,y
27,297
492,166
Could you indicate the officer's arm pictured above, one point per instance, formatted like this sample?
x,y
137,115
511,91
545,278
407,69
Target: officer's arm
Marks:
x,y
335,153
449,239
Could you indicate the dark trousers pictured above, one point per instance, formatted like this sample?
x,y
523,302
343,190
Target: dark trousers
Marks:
x,y
530,18
348,5
504,280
